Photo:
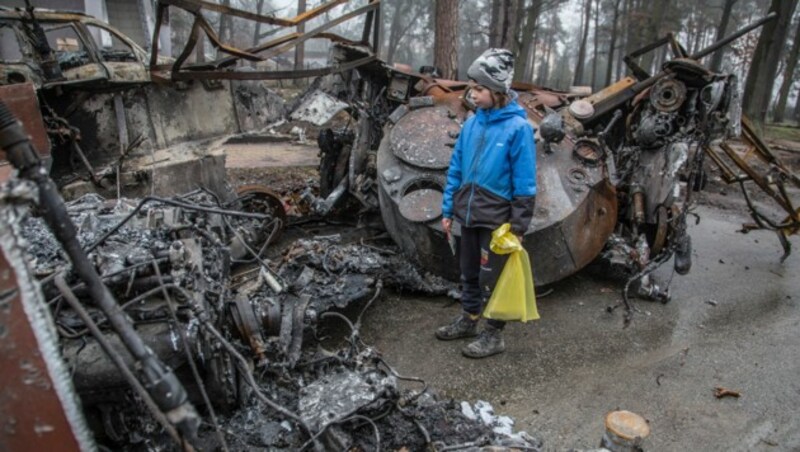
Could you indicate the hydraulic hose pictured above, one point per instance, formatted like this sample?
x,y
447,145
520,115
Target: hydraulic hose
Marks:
x,y
159,380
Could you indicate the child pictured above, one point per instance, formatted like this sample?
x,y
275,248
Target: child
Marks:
x,y
491,181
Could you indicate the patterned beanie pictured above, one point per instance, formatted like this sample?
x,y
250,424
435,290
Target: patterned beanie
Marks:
x,y
494,69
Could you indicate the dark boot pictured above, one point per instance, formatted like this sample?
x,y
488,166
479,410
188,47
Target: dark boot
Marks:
x,y
490,342
461,326
683,255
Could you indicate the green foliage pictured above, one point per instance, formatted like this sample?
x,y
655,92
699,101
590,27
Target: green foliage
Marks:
x,y
782,132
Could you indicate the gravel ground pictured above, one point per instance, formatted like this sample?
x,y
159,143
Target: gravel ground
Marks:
x,y
732,323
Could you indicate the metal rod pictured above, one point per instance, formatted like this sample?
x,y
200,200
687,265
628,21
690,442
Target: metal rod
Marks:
x,y
162,384
310,34
172,202
189,357
732,37
195,6
76,306
603,108
245,369
186,74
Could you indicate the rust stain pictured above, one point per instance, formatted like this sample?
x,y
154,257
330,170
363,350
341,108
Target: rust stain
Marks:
x,y
34,416
22,101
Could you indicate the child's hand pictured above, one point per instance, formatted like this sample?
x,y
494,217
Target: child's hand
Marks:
x,y
446,224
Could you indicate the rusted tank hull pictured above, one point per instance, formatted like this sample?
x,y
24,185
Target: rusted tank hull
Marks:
x,y
576,207
556,251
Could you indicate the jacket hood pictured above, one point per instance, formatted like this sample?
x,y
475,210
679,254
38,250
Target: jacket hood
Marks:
x,y
499,114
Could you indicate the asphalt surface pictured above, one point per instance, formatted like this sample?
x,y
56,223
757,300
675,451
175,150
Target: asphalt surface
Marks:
x,y
733,323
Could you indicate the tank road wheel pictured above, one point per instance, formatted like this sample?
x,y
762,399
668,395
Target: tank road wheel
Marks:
x,y
260,199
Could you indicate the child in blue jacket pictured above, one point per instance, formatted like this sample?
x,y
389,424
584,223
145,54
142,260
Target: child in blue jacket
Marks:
x,y
491,181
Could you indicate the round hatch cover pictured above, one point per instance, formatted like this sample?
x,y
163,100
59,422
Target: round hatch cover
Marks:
x,y
422,205
581,109
588,152
424,138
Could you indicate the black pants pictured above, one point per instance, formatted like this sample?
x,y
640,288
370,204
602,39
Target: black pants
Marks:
x,y
480,268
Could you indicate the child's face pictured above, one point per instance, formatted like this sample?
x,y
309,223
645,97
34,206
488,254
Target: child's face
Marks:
x,y
481,96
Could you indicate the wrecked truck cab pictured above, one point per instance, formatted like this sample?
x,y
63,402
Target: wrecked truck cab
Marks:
x,y
16,57
111,127
87,51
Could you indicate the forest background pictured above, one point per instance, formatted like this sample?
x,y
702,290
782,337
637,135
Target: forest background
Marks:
x,y
559,43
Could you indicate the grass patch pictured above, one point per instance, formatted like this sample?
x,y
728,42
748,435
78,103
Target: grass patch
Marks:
x,y
782,132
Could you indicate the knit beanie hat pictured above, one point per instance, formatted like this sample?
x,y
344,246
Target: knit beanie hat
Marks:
x,y
494,69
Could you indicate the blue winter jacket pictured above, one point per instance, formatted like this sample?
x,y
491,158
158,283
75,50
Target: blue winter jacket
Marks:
x,y
492,175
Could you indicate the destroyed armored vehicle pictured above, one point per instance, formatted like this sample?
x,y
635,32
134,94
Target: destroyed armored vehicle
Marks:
x,y
616,169
118,308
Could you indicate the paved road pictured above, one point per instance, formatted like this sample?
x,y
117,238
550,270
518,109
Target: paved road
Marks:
x,y
560,375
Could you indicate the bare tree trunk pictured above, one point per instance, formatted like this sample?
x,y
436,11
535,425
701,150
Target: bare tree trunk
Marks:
x,y
402,16
716,60
582,49
612,44
706,38
519,21
697,32
634,27
503,27
788,76
509,25
763,67
796,114
200,49
653,30
495,26
394,32
626,11
593,81
560,74
527,54
540,76
544,73
224,25
257,32
445,54
300,50
224,22
530,67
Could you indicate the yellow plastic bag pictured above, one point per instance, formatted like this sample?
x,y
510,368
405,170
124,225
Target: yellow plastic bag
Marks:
x,y
513,298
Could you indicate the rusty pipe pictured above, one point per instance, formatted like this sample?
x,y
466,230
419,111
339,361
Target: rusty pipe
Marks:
x,y
127,374
638,205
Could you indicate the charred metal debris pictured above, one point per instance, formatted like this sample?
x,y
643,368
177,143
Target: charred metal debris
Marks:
x,y
230,355
177,324
224,68
179,306
617,169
